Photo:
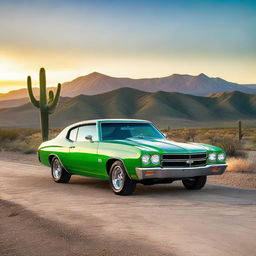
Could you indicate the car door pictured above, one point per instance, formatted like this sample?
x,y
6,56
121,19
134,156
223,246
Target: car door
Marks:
x,y
83,152
69,143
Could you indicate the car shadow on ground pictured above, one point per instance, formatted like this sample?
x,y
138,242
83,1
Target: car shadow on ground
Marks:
x,y
89,182
210,193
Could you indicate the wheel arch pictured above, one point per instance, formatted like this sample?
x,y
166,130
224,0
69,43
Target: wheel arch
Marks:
x,y
110,162
51,156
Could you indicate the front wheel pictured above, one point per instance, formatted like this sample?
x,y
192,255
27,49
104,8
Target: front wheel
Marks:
x,y
59,174
195,183
119,181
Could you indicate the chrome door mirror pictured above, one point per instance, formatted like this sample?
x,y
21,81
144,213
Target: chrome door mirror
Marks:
x,y
89,138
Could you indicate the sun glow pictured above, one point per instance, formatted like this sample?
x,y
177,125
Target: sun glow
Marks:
x,y
7,66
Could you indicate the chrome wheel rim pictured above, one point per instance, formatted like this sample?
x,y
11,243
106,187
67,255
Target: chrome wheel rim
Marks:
x,y
118,178
56,169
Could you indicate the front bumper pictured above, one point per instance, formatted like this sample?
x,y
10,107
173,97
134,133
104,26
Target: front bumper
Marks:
x,y
178,173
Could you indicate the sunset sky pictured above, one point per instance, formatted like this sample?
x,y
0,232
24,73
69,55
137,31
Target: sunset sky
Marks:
x,y
126,39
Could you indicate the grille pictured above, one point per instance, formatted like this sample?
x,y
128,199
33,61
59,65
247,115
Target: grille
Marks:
x,y
184,160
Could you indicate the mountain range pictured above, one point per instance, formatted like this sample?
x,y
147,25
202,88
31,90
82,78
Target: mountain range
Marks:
x,y
200,85
251,86
97,83
164,108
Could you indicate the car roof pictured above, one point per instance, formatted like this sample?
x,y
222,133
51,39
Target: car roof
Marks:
x,y
65,130
108,120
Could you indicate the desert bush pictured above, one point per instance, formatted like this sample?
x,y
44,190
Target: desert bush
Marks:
x,y
250,144
8,134
231,146
190,135
225,140
240,165
18,146
25,140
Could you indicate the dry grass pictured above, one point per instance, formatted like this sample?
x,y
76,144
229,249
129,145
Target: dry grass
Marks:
x,y
22,139
240,165
226,138
10,134
231,146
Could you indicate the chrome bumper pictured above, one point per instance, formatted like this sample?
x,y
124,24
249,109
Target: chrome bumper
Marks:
x,y
187,172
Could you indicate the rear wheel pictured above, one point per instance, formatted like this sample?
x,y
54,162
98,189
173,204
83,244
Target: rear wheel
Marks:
x,y
59,174
119,181
194,183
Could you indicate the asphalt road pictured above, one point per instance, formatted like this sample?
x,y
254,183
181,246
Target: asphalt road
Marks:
x,y
84,217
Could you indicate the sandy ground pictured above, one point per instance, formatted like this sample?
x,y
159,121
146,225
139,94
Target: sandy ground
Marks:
x,y
84,217
244,179
18,157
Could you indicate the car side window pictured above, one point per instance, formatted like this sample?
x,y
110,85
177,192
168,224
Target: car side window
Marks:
x,y
86,130
72,134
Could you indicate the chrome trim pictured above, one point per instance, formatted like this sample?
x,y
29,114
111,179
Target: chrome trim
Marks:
x,y
180,154
179,172
183,160
56,169
117,178
189,160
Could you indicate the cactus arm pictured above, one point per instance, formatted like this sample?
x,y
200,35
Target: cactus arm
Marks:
x,y
42,80
33,100
52,106
51,97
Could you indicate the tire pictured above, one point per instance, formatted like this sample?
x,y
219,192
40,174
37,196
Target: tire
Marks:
x,y
59,174
195,183
119,181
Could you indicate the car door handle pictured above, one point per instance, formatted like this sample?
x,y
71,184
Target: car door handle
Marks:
x,y
72,147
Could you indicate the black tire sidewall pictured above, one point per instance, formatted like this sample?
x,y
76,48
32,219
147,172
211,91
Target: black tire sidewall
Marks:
x,y
64,177
198,183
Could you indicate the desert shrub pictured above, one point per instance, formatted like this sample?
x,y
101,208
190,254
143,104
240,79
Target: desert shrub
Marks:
x,y
208,138
18,146
214,136
250,144
25,140
240,165
190,135
183,134
231,146
8,134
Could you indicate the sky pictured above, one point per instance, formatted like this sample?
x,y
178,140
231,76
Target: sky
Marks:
x,y
135,39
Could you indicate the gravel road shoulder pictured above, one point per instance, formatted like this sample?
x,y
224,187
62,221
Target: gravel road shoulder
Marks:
x,y
24,233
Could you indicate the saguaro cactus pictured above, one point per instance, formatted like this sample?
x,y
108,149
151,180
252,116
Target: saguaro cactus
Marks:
x,y
46,106
240,134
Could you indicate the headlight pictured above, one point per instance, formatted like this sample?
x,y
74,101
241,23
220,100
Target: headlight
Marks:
x,y
145,159
212,157
155,159
221,157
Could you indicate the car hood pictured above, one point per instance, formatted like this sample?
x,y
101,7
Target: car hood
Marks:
x,y
166,146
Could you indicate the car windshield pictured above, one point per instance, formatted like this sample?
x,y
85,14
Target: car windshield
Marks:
x,y
120,131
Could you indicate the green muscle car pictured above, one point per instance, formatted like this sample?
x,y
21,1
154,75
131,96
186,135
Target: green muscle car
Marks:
x,y
127,152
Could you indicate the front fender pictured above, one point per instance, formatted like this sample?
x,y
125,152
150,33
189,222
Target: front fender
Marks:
x,y
129,155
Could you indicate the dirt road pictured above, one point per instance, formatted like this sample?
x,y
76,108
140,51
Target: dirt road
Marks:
x,y
40,217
